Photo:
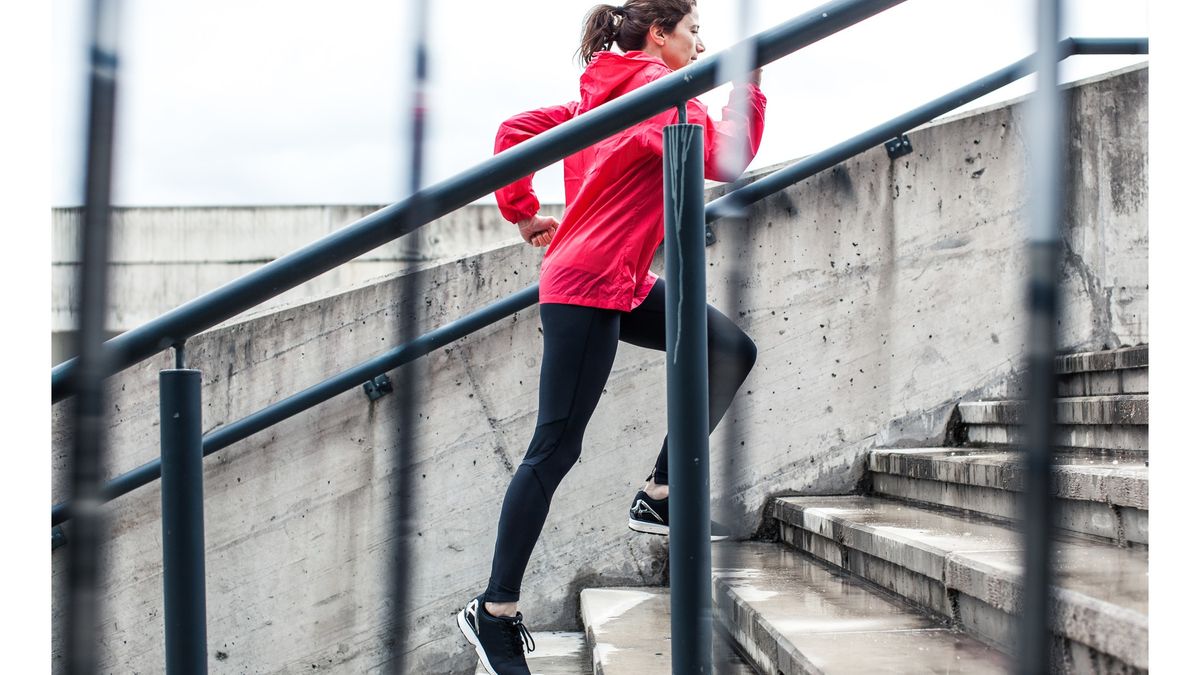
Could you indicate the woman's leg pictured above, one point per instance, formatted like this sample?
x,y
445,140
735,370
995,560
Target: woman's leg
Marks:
x,y
579,344
731,355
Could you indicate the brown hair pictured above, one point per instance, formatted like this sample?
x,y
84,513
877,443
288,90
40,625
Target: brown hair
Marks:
x,y
626,25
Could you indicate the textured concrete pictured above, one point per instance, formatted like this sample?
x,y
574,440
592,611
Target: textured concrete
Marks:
x,y
1125,442
1126,409
794,616
1105,360
854,292
163,257
555,653
1101,591
1076,476
629,633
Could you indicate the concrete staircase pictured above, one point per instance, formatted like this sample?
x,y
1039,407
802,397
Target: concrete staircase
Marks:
x,y
922,574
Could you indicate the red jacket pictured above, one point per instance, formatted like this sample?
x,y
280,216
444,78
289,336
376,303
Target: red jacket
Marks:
x,y
600,256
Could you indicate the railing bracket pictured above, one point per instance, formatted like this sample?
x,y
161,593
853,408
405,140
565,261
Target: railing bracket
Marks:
x,y
378,387
58,537
898,147
710,237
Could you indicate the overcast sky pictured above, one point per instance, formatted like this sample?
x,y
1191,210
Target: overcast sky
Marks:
x,y
301,102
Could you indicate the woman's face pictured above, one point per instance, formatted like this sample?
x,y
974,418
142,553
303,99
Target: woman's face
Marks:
x,y
682,45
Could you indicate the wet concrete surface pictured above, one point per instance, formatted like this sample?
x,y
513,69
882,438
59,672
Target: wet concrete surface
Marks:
x,y
629,633
793,615
1102,589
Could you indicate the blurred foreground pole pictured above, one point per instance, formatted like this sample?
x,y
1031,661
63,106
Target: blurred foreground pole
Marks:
x,y
1046,185
736,67
84,569
407,315
687,399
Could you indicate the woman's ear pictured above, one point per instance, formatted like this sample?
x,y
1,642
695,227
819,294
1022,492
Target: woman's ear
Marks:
x,y
658,35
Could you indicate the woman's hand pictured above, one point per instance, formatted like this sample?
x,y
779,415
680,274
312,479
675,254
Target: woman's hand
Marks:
x,y
755,77
538,230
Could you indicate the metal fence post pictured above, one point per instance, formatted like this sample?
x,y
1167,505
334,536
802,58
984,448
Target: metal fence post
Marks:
x,y
183,522
687,399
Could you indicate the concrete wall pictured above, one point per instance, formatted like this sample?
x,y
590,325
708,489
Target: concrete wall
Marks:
x,y
163,257
879,294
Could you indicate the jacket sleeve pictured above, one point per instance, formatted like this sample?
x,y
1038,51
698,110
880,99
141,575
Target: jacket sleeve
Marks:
x,y
735,130
518,201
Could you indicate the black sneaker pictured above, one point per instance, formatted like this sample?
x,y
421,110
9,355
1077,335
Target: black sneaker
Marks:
x,y
652,517
500,641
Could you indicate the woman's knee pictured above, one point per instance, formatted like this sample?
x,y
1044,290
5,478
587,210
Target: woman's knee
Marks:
x,y
735,346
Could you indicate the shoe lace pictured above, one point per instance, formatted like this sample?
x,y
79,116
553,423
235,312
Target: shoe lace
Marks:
x,y
519,637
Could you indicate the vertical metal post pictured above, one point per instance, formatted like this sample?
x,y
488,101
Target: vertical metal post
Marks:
x,y
84,569
406,391
687,399
1046,132
183,522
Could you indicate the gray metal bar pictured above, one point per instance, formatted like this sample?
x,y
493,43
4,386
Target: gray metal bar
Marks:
x,y
84,568
1045,182
183,523
297,403
732,203
687,399
402,217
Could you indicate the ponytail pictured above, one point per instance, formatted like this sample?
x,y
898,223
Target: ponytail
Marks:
x,y
600,30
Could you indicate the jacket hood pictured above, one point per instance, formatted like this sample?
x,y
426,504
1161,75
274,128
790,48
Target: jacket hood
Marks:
x,y
609,73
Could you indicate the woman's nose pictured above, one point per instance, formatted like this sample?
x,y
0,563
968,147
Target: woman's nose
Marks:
x,y
699,45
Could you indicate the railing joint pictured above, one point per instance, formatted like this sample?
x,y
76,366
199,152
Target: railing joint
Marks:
x,y
378,387
898,147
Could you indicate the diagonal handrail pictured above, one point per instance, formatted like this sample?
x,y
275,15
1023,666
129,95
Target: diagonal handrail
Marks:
x,y
744,196
179,324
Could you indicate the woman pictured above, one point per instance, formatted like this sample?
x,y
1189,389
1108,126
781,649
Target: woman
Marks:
x,y
596,287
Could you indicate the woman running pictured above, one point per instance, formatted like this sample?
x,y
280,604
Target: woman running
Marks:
x,y
596,286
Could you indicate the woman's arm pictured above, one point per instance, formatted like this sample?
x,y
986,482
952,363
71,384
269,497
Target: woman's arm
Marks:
x,y
736,130
518,202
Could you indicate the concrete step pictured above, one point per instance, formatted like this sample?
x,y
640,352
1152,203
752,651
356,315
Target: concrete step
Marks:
x,y
1097,497
1115,371
1118,423
628,632
555,653
968,570
791,614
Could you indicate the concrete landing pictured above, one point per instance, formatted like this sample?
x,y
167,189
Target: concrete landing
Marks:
x,y
792,615
969,570
1107,498
555,653
629,633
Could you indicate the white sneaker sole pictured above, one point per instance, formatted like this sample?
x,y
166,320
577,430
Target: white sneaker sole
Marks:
x,y
663,530
465,627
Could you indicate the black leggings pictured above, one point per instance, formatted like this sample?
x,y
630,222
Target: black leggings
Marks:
x,y
579,345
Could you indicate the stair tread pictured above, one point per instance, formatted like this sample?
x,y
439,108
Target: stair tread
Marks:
x,y
1110,409
556,653
629,631
1080,475
1092,572
1106,360
833,623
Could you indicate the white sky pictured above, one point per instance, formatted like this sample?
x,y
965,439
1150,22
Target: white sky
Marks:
x,y
301,102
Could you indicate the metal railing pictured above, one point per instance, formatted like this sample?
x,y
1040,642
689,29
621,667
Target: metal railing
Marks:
x,y
687,395
401,218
